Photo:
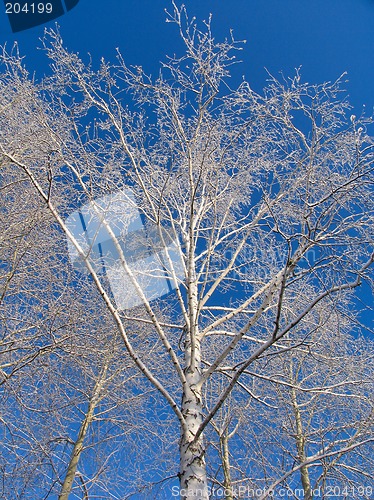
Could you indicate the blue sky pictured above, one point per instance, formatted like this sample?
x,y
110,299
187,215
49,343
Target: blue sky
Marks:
x,y
325,37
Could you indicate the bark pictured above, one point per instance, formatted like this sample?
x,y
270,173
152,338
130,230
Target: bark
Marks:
x,y
78,446
193,478
226,465
300,445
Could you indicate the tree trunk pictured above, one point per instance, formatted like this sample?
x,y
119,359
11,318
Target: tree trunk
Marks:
x,y
75,456
224,438
78,446
300,445
193,479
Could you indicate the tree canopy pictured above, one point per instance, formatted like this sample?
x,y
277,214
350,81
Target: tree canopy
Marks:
x,y
252,362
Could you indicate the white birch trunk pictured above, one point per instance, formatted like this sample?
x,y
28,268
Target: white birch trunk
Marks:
x,y
193,479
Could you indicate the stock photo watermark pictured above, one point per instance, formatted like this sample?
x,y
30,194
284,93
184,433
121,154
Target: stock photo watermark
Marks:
x,y
144,261
249,493
140,261
23,15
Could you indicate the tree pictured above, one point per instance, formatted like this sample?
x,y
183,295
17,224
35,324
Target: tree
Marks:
x,y
68,390
307,417
257,211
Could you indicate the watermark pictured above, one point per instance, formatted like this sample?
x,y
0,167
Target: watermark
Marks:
x,y
221,492
24,14
247,492
258,260
141,261
328,491
274,255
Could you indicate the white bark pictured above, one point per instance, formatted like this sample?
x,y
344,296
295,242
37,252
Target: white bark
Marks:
x,y
300,444
192,473
193,479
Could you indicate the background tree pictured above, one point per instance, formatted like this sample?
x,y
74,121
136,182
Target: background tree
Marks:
x,y
308,412
269,196
68,392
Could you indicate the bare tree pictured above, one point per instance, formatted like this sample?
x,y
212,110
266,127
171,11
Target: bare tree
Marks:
x,y
302,420
257,209
68,390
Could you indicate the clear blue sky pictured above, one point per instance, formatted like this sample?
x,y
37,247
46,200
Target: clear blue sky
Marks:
x,y
325,37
